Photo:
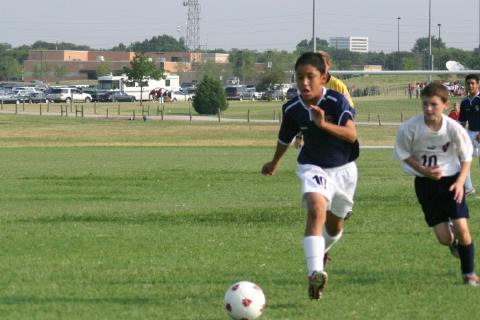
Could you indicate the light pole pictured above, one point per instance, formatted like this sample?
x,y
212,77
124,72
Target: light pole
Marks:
x,y
430,38
314,41
398,41
439,44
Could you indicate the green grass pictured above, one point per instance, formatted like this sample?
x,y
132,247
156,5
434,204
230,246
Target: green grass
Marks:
x,y
133,220
387,108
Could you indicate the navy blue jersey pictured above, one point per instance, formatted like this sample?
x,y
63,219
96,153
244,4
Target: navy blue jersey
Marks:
x,y
470,112
320,147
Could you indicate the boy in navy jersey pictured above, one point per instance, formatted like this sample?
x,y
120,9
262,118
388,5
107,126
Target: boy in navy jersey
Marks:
x,y
326,164
438,151
470,114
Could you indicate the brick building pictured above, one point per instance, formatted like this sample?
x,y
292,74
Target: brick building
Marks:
x,y
54,65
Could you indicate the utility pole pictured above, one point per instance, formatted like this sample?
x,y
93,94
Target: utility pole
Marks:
x,y
314,40
439,44
430,38
192,40
398,41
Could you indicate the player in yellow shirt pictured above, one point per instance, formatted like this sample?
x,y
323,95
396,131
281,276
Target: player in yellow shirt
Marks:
x,y
333,82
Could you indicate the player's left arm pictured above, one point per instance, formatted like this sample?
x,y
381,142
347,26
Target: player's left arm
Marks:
x,y
458,185
464,149
347,131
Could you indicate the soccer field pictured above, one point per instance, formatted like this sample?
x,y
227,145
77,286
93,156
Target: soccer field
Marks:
x,y
132,220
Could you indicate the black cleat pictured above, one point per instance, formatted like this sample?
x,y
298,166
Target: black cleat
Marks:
x,y
316,284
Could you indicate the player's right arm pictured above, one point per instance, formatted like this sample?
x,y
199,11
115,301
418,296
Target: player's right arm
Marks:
x,y
270,167
288,130
434,173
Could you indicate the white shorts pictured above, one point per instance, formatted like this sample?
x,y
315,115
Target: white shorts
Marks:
x,y
337,185
476,144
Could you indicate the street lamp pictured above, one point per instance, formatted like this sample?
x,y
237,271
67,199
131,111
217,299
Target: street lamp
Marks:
x,y
314,41
430,38
398,41
439,26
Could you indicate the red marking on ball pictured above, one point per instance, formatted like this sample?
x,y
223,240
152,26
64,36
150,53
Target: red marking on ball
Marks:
x,y
246,302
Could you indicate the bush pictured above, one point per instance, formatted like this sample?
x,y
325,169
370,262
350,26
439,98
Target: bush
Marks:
x,y
209,97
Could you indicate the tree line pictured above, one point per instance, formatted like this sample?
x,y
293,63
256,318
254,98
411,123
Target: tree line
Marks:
x,y
258,67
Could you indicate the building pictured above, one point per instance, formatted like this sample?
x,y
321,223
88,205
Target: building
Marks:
x,y
353,44
55,65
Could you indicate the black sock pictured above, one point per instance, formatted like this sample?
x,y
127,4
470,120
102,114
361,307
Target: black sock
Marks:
x,y
467,255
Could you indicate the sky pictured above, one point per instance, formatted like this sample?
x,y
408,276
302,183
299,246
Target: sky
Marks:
x,y
248,24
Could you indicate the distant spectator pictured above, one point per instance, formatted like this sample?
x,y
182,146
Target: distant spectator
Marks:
x,y
410,90
417,90
455,112
160,96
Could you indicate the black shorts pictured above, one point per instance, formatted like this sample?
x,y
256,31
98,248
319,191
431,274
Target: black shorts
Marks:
x,y
437,201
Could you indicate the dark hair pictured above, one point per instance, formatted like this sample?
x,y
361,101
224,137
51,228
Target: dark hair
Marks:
x,y
313,59
435,89
472,77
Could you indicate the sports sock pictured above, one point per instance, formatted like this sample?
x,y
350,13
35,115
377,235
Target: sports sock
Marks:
x,y
329,240
314,249
467,255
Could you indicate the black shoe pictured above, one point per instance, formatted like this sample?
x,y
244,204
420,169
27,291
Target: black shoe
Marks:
x,y
316,284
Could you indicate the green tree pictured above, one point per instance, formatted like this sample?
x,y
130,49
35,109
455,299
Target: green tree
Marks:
x,y
120,47
243,64
307,45
10,69
141,69
163,43
215,70
61,71
409,62
269,78
209,97
43,45
40,71
423,44
104,68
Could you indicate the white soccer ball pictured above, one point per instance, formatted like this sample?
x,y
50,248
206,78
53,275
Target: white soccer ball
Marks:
x,y
244,301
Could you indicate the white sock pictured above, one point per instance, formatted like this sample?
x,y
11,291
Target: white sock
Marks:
x,y
329,240
314,249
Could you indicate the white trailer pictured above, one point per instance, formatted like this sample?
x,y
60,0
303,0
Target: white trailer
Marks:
x,y
121,83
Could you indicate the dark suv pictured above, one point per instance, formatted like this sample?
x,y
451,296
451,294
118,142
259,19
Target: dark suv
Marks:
x,y
239,93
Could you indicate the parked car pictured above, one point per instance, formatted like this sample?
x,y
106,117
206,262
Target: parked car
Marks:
x,y
273,95
239,93
38,97
258,95
94,92
181,96
24,90
291,93
67,95
12,99
115,96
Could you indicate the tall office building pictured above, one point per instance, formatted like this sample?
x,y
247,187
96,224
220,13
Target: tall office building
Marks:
x,y
354,44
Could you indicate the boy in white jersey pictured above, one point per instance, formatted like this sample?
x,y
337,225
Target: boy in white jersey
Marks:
x,y
438,151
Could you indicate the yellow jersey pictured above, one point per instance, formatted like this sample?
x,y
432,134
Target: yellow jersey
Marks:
x,y
337,85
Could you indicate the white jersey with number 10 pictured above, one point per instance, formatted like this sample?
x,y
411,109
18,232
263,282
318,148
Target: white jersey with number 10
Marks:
x,y
444,148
